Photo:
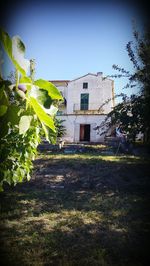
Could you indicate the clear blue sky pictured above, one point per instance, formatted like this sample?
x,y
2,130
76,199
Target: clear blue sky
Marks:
x,y
70,39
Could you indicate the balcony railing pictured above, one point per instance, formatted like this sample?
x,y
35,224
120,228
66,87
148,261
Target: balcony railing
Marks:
x,y
84,108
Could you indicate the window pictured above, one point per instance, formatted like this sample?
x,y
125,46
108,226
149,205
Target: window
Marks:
x,y
84,103
85,85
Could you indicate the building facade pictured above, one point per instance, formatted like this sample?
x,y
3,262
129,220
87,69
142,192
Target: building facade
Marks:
x,y
81,110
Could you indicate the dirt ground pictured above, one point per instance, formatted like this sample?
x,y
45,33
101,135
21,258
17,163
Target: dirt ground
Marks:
x,y
82,206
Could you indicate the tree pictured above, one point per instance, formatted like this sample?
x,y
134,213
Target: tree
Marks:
x,y
60,128
26,110
134,111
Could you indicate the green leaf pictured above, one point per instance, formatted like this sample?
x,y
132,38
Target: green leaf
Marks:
x,y
3,109
46,132
15,49
1,187
49,134
51,111
41,96
25,79
7,43
18,51
12,114
43,99
2,91
3,97
52,90
3,129
43,117
24,123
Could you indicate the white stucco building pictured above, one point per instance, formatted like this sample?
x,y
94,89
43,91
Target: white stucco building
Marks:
x,y
83,98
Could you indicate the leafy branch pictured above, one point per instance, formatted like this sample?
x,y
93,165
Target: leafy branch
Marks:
x,y
27,109
134,111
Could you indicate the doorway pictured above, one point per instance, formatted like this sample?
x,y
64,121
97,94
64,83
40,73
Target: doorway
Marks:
x,y
85,132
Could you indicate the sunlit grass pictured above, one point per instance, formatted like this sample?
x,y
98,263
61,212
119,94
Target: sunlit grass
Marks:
x,y
129,159
97,218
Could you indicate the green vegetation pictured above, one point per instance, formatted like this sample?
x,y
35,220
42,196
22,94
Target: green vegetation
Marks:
x,y
78,209
27,109
60,129
133,111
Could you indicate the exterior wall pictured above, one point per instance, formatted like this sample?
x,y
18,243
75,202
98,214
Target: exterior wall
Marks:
x,y
72,125
99,90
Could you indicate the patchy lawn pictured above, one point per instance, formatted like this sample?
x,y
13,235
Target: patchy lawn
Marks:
x,y
85,209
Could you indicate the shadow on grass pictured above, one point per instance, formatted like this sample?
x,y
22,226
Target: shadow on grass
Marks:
x,y
78,210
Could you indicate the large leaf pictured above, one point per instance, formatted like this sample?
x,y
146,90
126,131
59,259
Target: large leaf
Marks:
x,y
43,117
52,90
3,97
49,134
41,96
3,129
25,80
51,111
15,49
3,109
43,99
2,91
18,51
12,115
24,123
7,42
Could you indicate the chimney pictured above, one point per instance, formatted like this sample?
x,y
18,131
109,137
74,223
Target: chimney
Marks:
x,y
99,73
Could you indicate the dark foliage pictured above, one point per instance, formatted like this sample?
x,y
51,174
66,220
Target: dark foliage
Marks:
x,y
134,111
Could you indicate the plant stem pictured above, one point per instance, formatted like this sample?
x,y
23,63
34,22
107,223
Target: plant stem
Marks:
x,y
17,79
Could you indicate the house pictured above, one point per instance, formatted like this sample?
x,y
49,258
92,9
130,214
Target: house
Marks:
x,y
81,111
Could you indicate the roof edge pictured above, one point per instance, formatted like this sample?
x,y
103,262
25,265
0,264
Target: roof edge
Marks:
x,y
84,76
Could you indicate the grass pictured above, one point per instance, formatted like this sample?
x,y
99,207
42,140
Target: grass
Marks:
x,y
78,209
